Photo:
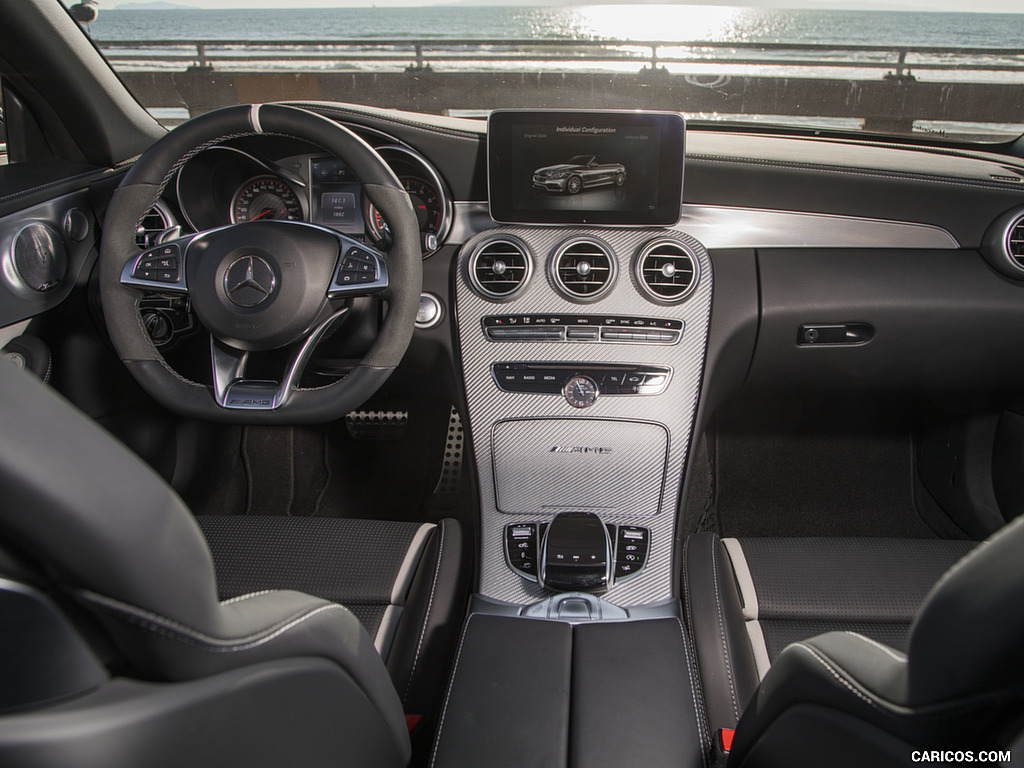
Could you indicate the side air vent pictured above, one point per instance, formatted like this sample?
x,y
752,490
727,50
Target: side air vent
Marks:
x,y
584,269
1003,245
667,271
1015,242
500,268
154,221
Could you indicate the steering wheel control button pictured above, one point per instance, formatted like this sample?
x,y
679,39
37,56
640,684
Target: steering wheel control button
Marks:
x,y
581,392
360,272
357,268
249,281
158,268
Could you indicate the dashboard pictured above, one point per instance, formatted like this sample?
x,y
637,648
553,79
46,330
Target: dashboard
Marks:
x,y
588,354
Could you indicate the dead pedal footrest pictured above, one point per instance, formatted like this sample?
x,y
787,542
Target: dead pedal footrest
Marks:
x,y
376,425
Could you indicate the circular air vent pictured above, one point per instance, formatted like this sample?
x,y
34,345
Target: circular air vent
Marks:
x,y
499,268
1015,242
584,269
154,221
667,271
1003,245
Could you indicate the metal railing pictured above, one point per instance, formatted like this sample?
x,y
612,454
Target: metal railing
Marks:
x,y
424,53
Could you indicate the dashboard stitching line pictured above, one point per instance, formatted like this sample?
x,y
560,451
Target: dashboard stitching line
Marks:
x,y
450,132
860,172
59,182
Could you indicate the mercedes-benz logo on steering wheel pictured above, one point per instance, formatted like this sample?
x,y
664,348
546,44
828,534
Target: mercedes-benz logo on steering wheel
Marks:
x,y
249,281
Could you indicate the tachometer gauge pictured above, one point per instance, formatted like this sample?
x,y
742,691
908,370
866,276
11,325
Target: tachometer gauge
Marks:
x,y
265,197
426,202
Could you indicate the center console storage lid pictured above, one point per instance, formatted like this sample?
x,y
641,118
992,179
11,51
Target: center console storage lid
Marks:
x,y
554,465
628,682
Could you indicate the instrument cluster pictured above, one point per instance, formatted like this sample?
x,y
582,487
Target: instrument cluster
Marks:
x,y
228,184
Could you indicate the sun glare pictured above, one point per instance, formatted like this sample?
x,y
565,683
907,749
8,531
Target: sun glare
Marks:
x,y
639,22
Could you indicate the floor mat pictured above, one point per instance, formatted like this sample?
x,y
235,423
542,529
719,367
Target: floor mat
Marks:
x,y
818,469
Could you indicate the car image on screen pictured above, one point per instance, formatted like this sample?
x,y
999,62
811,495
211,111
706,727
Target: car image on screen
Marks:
x,y
581,172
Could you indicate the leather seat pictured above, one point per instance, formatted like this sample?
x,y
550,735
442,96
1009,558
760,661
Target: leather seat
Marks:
x,y
116,648
858,649
406,582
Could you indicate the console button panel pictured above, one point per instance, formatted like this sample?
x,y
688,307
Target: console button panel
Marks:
x,y
631,544
521,547
611,378
583,328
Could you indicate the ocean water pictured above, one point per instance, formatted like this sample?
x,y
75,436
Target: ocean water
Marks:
x,y
631,25
620,22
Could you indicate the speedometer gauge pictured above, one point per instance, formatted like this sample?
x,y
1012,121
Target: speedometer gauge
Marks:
x,y
265,197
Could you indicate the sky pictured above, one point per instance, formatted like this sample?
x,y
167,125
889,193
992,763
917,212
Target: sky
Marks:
x,y
989,6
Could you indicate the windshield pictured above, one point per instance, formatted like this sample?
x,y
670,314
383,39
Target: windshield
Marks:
x,y
918,70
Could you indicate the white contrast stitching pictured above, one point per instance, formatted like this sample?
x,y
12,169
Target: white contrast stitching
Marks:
x,y
426,618
698,710
448,132
177,631
883,648
721,628
240,598
903,176
448,695
95,172
837,676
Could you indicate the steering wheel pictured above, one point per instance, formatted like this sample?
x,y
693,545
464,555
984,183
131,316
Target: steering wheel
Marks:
x,y
259,285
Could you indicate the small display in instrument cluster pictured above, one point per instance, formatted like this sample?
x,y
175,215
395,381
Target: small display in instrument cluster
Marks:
x,y
336,195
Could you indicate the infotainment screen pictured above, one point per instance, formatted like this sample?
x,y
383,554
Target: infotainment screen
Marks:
x,y
580,167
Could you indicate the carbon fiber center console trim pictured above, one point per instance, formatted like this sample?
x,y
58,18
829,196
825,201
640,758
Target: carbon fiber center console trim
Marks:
x,y
674,409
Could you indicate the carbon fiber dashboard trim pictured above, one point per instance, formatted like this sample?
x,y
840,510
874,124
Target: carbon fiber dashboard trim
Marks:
x,y
549,464
674,409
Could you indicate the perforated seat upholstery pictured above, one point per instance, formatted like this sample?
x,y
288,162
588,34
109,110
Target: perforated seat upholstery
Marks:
x,y
404,581
866,647
123,647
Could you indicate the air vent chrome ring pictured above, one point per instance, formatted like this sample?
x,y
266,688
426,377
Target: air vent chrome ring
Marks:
x,y
583,269
1004,244
666,271
500,267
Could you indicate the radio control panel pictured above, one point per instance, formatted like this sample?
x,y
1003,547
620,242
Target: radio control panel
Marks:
x,y
581,383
